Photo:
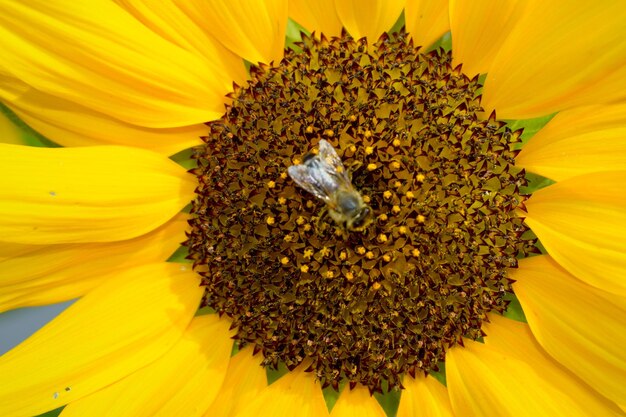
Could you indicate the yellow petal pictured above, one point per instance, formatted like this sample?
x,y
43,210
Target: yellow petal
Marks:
x,y
180,383
170,21
70,124
510,375
254,30
561,54
578,141
100,57
370,18
316,16
34,275
479,28
580,326
581,223
132,319
94,194
426,20
357,403
295,394
245,378
424,397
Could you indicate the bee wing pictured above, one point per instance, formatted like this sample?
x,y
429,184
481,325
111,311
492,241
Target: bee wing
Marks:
x,y
311,179
328,155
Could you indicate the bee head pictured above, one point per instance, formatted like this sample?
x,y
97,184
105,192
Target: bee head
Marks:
x,y
362,219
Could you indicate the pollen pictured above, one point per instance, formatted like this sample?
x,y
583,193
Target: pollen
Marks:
x,y
365,306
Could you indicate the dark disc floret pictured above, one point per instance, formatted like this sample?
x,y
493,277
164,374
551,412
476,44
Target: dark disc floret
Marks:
x,y
363,307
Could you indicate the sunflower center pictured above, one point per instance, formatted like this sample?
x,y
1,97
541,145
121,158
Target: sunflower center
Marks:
x,y
363,306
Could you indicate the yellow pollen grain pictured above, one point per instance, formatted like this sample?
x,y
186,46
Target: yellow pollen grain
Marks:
x,y
343,256
387,195
309,129
415,253
396,209
386,258
376,286
383,217
304,269
324,251
352,148
382,238
329,133
366,199
270,220
271,184
402,230
409,194
369,255
307,227
369,150
296,161
396,142
371,167
288,238
308,253
310,204
282,201
349,276
360,250
284,260
420,218
300,221
397,184
368,133
283,175
420,177
352,118
329,274
395,165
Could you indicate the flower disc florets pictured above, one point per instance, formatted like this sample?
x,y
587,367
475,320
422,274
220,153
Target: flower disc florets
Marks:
x,y
365,307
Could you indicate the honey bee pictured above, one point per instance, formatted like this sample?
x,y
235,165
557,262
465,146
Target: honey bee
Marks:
x,y
324,176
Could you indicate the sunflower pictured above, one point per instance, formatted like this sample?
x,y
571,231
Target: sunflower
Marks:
x,y
177,123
